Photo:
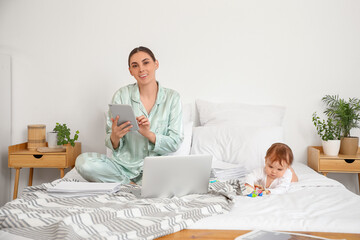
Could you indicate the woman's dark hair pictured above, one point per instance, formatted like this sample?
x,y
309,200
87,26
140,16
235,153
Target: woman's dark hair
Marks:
x,y
141,49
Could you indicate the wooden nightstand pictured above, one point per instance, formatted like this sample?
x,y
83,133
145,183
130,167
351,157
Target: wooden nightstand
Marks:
x,y
21,157
320,162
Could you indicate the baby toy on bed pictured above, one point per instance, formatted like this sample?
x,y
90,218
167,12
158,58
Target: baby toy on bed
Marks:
x,y
255,191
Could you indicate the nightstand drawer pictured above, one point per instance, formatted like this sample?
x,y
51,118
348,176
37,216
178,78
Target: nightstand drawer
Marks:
x,y
340,165
37,161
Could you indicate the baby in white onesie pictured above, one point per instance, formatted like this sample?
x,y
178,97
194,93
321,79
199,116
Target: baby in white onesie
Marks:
x,y
276,176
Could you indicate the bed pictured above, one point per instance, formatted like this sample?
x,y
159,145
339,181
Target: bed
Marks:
x,y
314,204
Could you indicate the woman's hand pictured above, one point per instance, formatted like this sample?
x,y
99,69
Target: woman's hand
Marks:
x,y
144,128
118,131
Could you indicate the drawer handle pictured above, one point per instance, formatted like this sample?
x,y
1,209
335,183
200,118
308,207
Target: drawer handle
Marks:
x,y
349,160
38,156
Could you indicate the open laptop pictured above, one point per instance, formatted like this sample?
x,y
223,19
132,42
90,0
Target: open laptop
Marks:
x,y
168,176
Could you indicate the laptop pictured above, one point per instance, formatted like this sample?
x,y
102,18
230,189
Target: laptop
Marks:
x,y
168,176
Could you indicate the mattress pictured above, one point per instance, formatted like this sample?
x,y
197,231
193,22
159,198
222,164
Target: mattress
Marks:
x,y
315,203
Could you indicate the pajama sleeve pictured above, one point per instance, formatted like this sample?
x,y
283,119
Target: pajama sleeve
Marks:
x,y
169,140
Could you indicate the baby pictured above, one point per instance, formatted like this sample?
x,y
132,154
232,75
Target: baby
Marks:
x,y
276,176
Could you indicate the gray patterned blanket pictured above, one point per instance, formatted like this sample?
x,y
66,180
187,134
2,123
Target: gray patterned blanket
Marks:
x,y
38,215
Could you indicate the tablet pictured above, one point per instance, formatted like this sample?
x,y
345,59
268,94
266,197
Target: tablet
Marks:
x,y
125,113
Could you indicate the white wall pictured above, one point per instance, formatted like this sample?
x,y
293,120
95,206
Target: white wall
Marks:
x,y
5,126
69,57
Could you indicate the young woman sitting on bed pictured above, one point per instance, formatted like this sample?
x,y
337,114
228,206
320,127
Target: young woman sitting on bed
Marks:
x,y
276,176
159,116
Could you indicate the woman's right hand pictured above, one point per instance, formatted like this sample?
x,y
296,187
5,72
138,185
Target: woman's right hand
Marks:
x,y
118,131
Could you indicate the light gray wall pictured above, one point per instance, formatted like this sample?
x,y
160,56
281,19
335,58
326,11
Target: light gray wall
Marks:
x,y
5,126
69,57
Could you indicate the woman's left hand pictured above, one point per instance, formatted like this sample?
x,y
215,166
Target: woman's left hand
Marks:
x,y
144,128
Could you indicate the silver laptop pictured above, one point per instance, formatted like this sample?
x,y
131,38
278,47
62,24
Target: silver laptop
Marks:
x,y
168,176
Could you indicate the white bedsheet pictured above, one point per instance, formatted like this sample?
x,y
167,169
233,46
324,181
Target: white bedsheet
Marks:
x,y
316,203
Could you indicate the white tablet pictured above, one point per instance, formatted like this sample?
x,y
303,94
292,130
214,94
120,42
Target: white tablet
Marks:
x,y
125,113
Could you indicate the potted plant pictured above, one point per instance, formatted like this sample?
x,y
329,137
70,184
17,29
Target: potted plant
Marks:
x,y
347,115
62,133
330,133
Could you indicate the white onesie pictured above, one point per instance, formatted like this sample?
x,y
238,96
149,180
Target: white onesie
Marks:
x,y
278,186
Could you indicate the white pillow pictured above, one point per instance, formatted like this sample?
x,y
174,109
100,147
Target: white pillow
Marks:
x,y
185,146
239,114
241,145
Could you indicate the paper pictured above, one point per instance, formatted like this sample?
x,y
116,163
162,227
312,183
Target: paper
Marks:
x,y
229,173
71,189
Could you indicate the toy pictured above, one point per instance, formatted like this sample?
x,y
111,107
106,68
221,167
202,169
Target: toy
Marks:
x,y
256,191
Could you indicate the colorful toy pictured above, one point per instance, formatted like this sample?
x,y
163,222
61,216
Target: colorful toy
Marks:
x,y
256,191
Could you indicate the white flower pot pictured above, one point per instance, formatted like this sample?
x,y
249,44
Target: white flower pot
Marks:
x,y
331,147
52,140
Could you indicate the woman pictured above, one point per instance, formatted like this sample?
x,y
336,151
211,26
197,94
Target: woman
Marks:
x,y
159,116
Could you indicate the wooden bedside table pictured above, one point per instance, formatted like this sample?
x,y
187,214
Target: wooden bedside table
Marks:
x,y
21,157
320,162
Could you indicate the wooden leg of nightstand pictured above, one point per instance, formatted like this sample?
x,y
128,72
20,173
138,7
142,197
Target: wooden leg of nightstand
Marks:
x,y
62,172
31,176
16,185
325,173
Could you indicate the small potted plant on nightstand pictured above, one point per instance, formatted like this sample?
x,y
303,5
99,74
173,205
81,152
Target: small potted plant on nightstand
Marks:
x,y
330,133
347,115
62,136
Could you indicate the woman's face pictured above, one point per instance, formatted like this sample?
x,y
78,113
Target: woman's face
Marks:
x,y
274,169
143,68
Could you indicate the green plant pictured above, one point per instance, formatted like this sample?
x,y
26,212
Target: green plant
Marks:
x,y
345,113
63,135
327,130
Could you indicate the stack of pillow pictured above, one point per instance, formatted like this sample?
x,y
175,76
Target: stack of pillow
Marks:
x,y
236,134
